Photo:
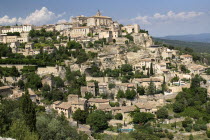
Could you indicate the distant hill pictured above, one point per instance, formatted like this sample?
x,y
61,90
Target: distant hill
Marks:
x,y
205,37
196,46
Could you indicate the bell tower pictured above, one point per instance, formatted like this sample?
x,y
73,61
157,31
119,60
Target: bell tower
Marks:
x,y
98,13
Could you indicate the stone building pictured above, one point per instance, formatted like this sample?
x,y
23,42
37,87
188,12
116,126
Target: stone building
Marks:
x,y
186,59
99,20
83,31
90,88
20,29
131,28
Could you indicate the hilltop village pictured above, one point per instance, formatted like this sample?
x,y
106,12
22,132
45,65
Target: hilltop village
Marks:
x,y
95,67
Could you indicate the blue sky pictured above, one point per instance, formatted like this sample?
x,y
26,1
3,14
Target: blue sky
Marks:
x,y
160,17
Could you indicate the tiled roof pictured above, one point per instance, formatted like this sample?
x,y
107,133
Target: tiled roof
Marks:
x,y
98,100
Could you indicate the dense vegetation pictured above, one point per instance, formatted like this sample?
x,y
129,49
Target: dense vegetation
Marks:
x,y
23,120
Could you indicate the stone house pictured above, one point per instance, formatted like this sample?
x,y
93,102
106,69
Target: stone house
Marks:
x,y
77,103
121,40
103,88
186,59
125,86
64,107
105,34
150,107
146,81
104,107
83,31
97,102
89,88
126,110
131,28
166,53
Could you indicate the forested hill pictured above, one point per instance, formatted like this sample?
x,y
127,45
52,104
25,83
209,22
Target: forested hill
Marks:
x,y
204,37
196,46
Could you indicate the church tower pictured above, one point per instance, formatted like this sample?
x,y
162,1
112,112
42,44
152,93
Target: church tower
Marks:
x,y
98,13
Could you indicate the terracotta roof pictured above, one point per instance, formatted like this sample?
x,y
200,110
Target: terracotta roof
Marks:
x,y
186,55
102,84
104,107
4,87
57,102
146,105
65,105
116,108
98,100
78,102
146,60
128,108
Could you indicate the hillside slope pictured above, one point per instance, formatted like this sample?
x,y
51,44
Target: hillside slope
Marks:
x,y
196,46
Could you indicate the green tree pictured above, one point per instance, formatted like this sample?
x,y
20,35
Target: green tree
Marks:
x,y
28,110
178,107
88,95
164,86
118,116
139,135
186,122
14,72
20,131
126,68
21,84
195,82
162,113
208,133
58,82
140,90
33,81
80,116
120,94
151,69
97,121
142,117
130,94
151,90
191,137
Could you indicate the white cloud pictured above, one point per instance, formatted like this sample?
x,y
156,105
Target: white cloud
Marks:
x,y
142,19
177,16
146,20
6,20
62,21
38,17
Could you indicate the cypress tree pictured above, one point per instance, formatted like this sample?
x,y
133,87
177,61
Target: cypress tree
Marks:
x,y
151,89
148,74
28,110
151,69
164,85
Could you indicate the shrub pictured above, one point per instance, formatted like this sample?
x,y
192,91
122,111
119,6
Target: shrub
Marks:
x,y
188,129
203,127
208,133
170,136
186,122
160,135
196,127
118,116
